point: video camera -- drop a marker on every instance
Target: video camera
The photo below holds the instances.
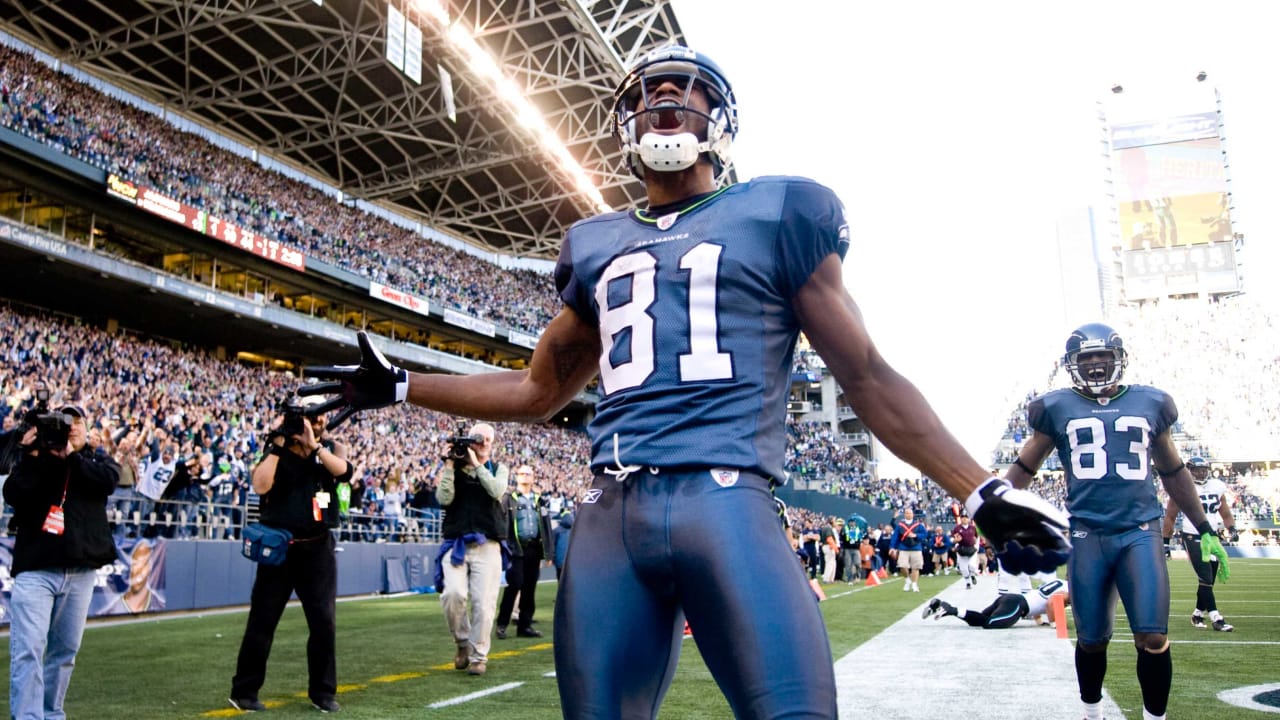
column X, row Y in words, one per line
column 53, row 429
column 458, row 445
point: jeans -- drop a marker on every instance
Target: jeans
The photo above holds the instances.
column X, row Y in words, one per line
column 47, row 612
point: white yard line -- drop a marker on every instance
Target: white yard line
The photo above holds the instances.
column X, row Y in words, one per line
column 882, row 677
column 474, row 696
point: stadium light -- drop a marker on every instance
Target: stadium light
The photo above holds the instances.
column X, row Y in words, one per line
column 522, row 111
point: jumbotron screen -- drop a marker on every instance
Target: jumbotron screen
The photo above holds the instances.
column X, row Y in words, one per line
column 1172, row 195
column 1170, row 182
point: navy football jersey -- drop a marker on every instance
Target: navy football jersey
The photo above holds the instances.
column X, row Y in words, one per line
column 695, row 319
column 1104, row 445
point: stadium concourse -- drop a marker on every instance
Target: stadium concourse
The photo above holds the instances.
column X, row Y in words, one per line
column 1043, row 664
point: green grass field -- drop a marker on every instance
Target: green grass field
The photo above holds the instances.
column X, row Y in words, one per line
column 395, row 659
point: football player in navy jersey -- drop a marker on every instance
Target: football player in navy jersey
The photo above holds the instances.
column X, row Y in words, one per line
column 1216, row 502
column 1110, row 438
column 688, row 311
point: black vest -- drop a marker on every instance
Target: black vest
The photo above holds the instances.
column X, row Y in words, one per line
column 288, row 504
column 473, row 510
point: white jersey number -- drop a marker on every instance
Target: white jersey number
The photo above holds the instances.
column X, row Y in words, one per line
column 704, row 361
column 1095, row 449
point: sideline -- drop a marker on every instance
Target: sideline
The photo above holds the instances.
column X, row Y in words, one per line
column 1033, row 671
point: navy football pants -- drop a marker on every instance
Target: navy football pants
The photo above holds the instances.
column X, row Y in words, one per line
column 656, row 549
column 1126, row 564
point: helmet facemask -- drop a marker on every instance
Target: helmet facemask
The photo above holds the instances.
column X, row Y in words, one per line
column 1094, row 370
column 673, row 152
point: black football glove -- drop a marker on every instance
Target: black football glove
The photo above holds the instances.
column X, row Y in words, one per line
column 372, row 384
column 1028, row 534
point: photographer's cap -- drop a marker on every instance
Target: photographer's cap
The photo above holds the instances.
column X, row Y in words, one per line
column 75, row 410
column 310, row 401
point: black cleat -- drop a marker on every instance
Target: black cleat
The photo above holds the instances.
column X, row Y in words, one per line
column 933, row 607
column 247, row 704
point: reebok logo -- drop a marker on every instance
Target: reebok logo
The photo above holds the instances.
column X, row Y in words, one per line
column 592, row 496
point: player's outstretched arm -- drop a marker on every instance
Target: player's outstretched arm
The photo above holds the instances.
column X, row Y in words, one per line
column 1028, row 532
column 564, row 361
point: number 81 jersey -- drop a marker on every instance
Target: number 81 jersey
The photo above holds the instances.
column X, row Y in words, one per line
column 1104, row 444
column 695, row 320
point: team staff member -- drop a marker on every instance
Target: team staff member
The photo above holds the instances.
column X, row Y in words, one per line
column 908, row 545
column 529, row 539
column 59, row 499
column 297, row 480
column 688, row 310
column 471, row 556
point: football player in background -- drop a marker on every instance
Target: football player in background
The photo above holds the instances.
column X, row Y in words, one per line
column 1110, row 437
column 688, row 311
column 1006, row 610
column 1217, row 507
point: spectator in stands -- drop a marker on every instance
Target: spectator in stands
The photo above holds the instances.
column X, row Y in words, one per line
column 297, row 479
column 471, row 558
column 529, row 539
column 58, row 490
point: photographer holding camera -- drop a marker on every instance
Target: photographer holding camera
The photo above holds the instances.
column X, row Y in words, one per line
column 297, row 479
column 58, row 489
column 471, row 557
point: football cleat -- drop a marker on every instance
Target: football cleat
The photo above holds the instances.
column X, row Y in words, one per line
column 1197, row 621
column 1221, row 625
column 934, row 606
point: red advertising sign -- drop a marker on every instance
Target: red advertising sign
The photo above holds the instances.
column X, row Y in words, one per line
column 182, row 214
column 272, row 250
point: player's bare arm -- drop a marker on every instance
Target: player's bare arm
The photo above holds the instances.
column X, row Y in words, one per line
column 1030, row 458
column 565, row 360
column 887, row 402
column 1178, row 483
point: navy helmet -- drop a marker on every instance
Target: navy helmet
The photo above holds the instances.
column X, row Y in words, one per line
column 1095, row 375
column 668, row 153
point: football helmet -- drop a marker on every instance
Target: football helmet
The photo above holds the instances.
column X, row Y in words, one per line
column 1095, row 376
column 1199, row 468
column 669, row 153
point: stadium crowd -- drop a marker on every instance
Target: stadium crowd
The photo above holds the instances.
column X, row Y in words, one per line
column 69, row 116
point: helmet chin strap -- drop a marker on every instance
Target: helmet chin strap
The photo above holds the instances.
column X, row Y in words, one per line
column 669, row 153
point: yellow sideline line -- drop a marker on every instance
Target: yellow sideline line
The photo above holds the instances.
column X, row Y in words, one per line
column 398, row 677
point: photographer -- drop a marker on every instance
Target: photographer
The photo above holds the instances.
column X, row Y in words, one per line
column 297, row 479
column 58, row 490
column 529, row 538
column 471, row 557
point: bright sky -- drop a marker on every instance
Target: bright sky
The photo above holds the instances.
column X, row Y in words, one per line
column 958, row 135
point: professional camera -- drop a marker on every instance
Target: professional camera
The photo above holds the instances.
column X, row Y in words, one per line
column 458, row 445
column 295, row 409
column 52, row 430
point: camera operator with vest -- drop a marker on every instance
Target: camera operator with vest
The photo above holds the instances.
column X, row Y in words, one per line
column 471, row 557
column 58, row 489
column 529, row 539
column 297, row 479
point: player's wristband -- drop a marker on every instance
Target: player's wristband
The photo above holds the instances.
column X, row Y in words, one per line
column 1205, row 528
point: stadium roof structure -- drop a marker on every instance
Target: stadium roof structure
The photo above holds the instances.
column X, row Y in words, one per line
column 309, row 83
